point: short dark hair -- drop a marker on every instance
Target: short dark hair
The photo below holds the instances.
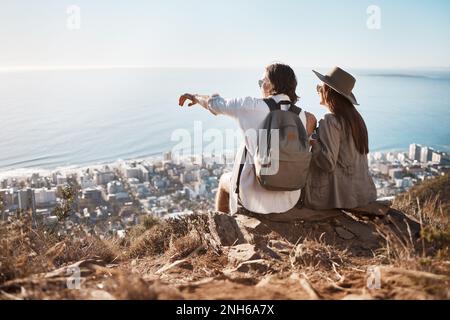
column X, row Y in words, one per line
column 283, row 80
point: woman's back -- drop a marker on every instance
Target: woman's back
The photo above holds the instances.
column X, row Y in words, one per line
column 339, row 173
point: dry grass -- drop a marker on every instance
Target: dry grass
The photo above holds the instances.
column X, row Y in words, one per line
column 411, row 268
column 399, row 249
column 90, row 247
column 25, row 251
column 182, row 247
column 428, row 203
column 316, row 254
column 152, row 242
column 177, row 237
column 22, row 250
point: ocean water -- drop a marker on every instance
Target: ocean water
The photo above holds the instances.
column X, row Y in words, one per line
column 58, row 118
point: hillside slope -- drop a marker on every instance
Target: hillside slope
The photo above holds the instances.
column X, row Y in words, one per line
column 335, row 256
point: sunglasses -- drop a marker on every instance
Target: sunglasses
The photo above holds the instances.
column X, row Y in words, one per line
column 260, row 83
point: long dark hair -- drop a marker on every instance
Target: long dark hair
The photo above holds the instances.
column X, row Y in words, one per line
column 346, row 112
column 283, row 80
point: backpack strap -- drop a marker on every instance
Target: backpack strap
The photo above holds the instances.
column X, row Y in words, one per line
column 284, row 102
column 241, row 167
column 295, row 109
column 273, row 106
column 303, row 118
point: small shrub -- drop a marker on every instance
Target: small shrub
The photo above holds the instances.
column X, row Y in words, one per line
column 90, row 247
column 184, row 246
column 317, row 254
column 149, row 221
column 152, row 242
column 438, row 238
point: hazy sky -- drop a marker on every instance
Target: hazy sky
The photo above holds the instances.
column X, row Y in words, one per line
column 231, row 33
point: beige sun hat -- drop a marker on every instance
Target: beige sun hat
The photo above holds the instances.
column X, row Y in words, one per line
column 340, row 81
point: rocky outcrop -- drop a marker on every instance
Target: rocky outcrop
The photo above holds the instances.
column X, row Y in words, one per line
column 361, row 230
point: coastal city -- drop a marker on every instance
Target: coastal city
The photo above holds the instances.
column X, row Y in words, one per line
column 111, row 199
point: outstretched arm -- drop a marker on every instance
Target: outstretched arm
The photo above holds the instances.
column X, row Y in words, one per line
column 218, row 105
column 195, row 99
column 204, row 100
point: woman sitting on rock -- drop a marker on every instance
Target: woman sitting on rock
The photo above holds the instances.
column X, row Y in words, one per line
column 339, row 174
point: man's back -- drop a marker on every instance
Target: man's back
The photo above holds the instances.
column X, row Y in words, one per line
column 250, row 113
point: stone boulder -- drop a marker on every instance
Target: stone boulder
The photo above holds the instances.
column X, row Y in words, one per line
column 360, row 230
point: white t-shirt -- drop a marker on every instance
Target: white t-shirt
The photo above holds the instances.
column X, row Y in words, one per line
column 250, row 114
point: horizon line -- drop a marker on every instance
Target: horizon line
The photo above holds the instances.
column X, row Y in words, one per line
column 30, row 68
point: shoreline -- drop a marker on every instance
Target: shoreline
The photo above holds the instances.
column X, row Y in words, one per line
column 28, row 171
column 67, row 169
